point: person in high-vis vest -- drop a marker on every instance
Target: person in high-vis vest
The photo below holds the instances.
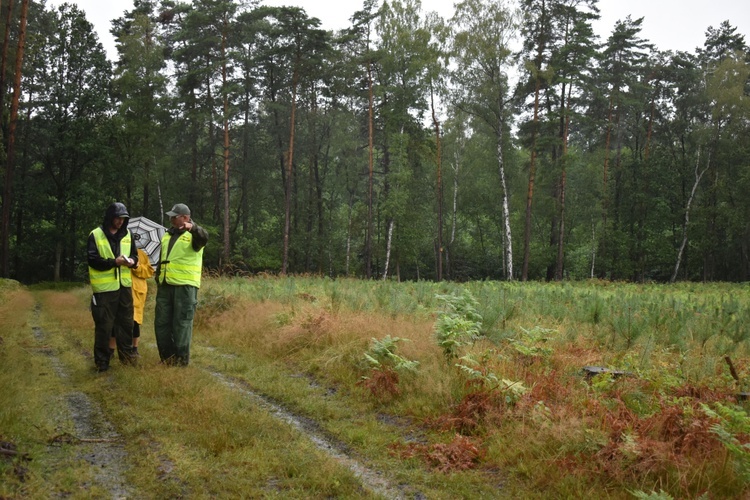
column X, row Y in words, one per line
column 178, row 278
column 111, row 255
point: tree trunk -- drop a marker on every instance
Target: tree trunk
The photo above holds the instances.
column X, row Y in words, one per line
column 506, row 209
column 318, row 183
column 10, row 167
column 439, row 189
column 370, row 138
column 530, row 191
column 288, row 186
column 309, row 246
column 243, row 213
column 593, row 248
column 227, row 246
column 216, row 198
column 698, row 176
column 6, row 45
column 560, row 263
column 58, row 261
column 454, row 214
column 23, row 195
column 349, row 233
column 605, row 173
column 391, row 223
column 650, row 129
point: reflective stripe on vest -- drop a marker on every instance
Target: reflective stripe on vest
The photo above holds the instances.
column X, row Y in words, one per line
column 111, row 279
column 182, row 265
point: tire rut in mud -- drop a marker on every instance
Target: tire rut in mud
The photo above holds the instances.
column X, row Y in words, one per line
column 95, row 438
column 372, row 480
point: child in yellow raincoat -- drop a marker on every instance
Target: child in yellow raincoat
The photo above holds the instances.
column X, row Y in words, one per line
column 139, row 276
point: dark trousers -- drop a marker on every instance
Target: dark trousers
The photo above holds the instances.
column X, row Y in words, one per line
column 113, row 316
column 173, row 322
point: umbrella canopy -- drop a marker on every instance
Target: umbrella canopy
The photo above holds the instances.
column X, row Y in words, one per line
column 147, row 235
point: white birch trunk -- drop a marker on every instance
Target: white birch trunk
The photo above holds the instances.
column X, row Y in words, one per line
column 698, row 176
column 161, row 202
column 455, row 200
column 506, row 209
column 348, row 236
column 388, row 249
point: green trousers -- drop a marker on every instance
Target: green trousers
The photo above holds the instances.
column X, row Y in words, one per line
column 173, row 322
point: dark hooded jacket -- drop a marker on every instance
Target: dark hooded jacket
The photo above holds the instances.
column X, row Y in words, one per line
column 94, row 259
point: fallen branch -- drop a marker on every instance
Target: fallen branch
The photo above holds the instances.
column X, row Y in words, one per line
column 13, row 453
column 731, row 368
column 591, row 371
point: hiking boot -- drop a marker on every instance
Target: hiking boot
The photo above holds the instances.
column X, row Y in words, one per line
column 102, row 368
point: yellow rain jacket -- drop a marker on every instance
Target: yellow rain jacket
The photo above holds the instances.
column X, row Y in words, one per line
column 139, row 276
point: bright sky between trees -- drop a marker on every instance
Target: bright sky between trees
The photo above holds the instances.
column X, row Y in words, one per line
column 668, row 24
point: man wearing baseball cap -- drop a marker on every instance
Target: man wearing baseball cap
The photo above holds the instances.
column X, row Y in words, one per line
column 178, row 276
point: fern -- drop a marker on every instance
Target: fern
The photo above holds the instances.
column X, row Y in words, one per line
column 732, row 422
column 458, row 323
column 488, row 379
column 476, row 370
column 530, row 343
column 382, row 355
column 385, row 366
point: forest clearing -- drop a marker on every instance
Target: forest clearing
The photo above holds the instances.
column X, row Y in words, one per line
column 305, row 387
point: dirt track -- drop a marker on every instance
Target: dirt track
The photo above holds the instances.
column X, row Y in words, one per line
column 98, row 443
column 96, row 438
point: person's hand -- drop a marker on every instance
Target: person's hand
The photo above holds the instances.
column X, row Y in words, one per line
column 124, row 261
column 187, row 226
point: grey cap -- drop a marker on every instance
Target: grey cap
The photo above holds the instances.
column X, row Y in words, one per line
column 179, row 209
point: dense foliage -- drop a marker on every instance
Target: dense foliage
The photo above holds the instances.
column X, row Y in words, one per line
column 399, row 147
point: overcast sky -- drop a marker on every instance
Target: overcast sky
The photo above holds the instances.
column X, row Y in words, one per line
column 668, row 24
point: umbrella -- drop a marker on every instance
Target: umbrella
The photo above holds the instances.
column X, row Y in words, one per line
column 147, row 235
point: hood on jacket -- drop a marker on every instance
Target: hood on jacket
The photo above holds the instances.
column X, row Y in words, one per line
column 116, row 209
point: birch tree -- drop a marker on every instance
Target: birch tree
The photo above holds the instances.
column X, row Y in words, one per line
column 482, row 32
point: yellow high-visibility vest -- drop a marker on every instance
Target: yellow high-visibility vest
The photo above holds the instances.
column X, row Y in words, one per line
column 181, row 265
column 111, row 279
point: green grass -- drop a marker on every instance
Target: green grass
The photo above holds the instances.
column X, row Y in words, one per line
column 301, row 343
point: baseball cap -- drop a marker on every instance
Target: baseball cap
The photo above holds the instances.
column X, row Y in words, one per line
column 179, row 209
